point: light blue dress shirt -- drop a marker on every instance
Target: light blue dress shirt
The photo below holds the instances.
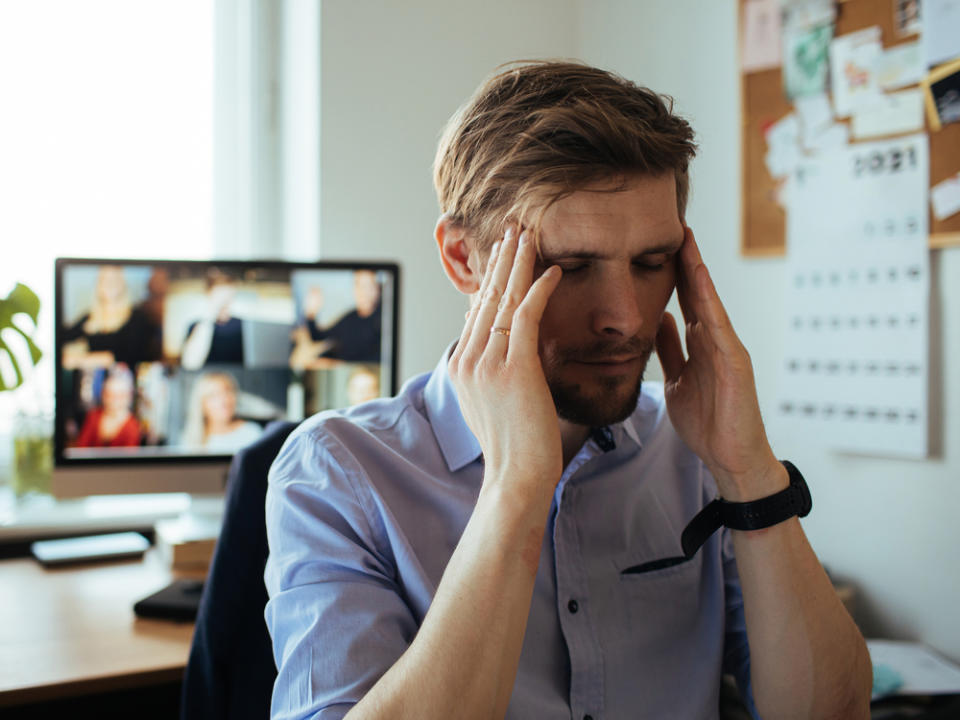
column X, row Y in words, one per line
column 365, row 507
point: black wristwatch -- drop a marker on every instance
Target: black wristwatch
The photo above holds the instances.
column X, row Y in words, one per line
column 753, row 515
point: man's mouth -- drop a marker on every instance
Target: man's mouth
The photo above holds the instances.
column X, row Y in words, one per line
column 617, row 364
column 621, row 360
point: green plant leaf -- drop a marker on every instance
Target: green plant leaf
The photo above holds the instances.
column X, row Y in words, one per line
column 35, row 352
column 4, row 348
column 20, row 300
column 23, row 300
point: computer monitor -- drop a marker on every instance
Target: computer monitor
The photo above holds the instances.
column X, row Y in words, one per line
column 165, row 368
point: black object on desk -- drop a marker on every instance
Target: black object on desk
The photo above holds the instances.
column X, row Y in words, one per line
column 177, row 601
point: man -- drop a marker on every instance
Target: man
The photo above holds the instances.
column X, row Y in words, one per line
column 355, row 337
column 503, row 539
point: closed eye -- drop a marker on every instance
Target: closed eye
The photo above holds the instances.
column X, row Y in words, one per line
column 573, row 268
column 653, row 263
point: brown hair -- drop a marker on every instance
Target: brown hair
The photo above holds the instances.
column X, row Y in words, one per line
column 536, row 132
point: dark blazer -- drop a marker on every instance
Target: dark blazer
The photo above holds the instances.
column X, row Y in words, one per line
column 230, row 672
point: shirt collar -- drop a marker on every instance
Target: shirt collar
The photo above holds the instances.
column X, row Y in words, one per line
column 630, row 431
column 458, row 443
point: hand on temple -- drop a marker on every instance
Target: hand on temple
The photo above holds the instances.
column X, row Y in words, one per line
column 711, row 396
column 497, row 372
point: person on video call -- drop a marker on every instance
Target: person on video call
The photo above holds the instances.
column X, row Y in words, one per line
column 212, row 422
column 363, row 385
column 217, row 337
column 503, row 538
column 355, row 337
column 113, row 423
column 114, row 331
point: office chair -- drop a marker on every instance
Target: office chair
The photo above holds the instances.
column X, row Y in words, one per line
column 230, row 671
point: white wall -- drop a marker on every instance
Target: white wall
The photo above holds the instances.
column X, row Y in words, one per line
column 391, row 75
column 888, row 525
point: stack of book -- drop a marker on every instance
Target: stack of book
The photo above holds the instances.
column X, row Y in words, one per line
column 187, row 543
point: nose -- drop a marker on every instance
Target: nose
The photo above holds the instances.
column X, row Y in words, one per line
column 616, row 310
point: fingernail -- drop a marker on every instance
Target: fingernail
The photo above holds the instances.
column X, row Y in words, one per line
column 511, row 231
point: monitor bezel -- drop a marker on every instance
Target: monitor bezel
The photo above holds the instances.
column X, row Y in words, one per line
column 219, row 461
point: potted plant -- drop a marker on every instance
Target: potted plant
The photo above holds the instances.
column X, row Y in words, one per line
column 32, row 444
column 20, row 300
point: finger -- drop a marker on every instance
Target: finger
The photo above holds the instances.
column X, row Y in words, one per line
column 494, row 286
column 521, row 277
column 525, row 333
column 703, row 297
column 713, row 313
column 688, row 254
column 669, row 350
column 471, row 315
column 702, row 301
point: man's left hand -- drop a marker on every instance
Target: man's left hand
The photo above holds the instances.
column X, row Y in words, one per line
column 711, row 396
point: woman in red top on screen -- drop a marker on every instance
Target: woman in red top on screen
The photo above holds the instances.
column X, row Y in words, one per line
column 113, row 423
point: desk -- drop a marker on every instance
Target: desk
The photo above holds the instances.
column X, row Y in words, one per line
column 72, row 631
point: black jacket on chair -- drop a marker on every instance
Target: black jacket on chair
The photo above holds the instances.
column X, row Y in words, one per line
column 230, row 672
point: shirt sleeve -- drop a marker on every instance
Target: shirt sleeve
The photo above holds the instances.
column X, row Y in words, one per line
column 336, row 614
column 736, row 653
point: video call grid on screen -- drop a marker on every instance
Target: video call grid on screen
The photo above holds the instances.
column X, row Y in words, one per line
column 190, row 360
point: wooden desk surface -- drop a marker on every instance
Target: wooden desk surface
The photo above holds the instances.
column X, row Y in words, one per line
column 72, row 631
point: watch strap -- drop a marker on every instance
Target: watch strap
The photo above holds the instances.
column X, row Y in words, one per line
column 754, row 515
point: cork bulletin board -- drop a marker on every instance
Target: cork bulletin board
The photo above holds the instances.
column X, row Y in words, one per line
column 763, row 232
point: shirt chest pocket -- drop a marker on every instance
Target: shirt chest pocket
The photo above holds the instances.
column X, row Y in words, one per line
column 662, row 600
column 668, row 631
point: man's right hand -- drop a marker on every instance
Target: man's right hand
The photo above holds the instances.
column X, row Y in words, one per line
column 497, row 373
column 463, row 661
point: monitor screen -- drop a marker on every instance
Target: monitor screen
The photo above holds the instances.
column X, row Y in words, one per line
column 163, row 363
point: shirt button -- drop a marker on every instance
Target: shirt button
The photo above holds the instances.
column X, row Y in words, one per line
column 573, row 606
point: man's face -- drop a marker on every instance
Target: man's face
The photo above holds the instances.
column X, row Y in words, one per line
column 616, row 250
column 366, row 292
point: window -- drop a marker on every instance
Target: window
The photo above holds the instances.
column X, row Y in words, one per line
column 106, row 139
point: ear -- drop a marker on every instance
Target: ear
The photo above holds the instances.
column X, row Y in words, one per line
column 460, row 261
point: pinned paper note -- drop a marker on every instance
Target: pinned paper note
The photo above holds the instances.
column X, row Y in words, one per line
column 945, row 197
column 906, row 17
column 761, row 36
column 853, row 70
column 815, row 114
column 807, row 31
column 832, row 137
column 896, row 113
column 900, row 66
column 941, row 31
column 783, row 146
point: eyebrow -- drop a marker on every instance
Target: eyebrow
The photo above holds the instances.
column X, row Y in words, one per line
column 665, row 248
